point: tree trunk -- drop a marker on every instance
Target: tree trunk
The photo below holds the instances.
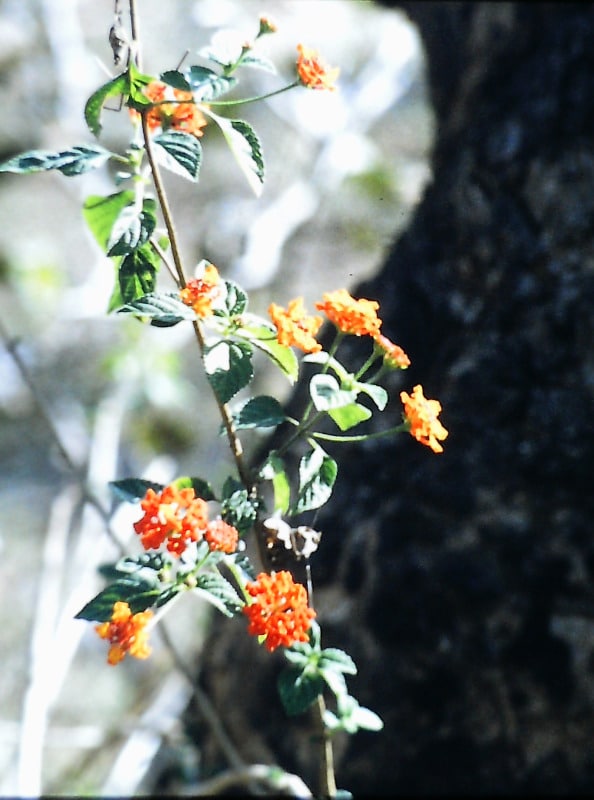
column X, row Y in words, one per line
column 461, row 583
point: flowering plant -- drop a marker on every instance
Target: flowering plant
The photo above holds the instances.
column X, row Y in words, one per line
column 194, row 536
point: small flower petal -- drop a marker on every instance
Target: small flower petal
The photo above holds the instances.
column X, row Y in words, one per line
column 312, row 71
column 294, row 327
column 126, row 633
column 353, row 316
column 421, row 415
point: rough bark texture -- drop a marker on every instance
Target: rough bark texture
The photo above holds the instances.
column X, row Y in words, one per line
column 461, row 583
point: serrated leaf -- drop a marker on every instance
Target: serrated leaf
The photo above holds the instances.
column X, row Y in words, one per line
column 94, row 105
column 298, row 689
column 326, row 393
column 101, row 213
column 246, row 148
column 349, row 416
column 206, row 85
column 133, row 227
column 201, row 487
column 273, row 470
column 180, row 153
column 228, row 368
column 137, row 274
column 263, row 335
column 137, row 82
column 317, row 474
column 76, row 161
column 238, row 508
column 219, row 592
column 333, row 658
column 236, row 299
column 260, row 412
column 131, row 490
column 163, row 309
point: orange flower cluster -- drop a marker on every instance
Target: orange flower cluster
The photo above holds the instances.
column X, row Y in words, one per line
column 421, row 415
column 126, row 633
column 200, row 293
column 178, row 517
column 176, row 115
column 312, row 72
column 394, row 355
column 279, row 610
column 294, row 327
column 358, row 317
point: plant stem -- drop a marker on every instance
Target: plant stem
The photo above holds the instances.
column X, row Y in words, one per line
column 327, row 780
column 362, row 437
column 255, row 98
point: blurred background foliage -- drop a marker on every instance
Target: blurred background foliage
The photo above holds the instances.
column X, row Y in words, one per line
column 344, row 172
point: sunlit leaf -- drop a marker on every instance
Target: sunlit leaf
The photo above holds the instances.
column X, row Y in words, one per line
column 201, row 487
column 238, row 507
column 76, row 161
column 317, row 474
column 163, row 309
column 245, row 146
column 138, row 273
column 236, row 300
column 114, row 88
column 206, row 85
column 273, row 470
column 139, row 592
column 228, row 368
column 176, row 79
column 259, row 62
column 132, row 227
column 263, row 335
column 180, row 153
column 100, row 213
column 377, row 393
column 326, row 393
column 349, row 416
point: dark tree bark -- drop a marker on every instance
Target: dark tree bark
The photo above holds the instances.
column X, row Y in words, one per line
column 461, row 583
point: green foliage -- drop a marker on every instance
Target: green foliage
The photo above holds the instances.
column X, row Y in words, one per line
column 162, row 309
column 238, row 506
column 259, row 412
column 274, row 470
column 94, row 106
column 228, row 367
column 75, row 161
column 317, row 474
column 246, row 148
column 131, row 490
column 180, row 153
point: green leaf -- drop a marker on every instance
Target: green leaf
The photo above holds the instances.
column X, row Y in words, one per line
column 349, row 416
column 326, row 393
column 317, row 473
column 260, row 412
column 219, row 592
column 367, row 720
column 138, row 592
column 101, row 213
column 377, row 393
column 133, row 227
column 175, row 78
column 163, row 309
column 180, row 153
column 246, row 148
column 138, row 81
column 118, row 86
column 206, row 84
column 138, row 273
column 131, row 490
column 237, row 507
column 76, row 161
column 263, row 335
column 236, row 299
column 298, row 689
column 333, row 658
column 228, row 368
column 273, row 470
column 201, row 487
column 334, row 679
column 258, row 62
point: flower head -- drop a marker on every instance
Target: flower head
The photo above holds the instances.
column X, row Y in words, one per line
column 174, row 515
column 294, row 327
column 266, row 26
column 279, row 610
column 312, row 71
column 200, row 293
column 126, row 633
column 221, row 536
column 394, row 355
column 176, row 114
column 421, row 415
column 358, row 317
